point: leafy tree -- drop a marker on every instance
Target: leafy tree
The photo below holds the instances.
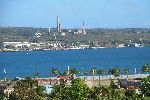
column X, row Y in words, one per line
column 130, row 94
column 105, row 93
column 119, row 95
column 97, row 93
column 78, row 90
column 112, row 88
column 27, row 89
column 112, row 93
column 57, row 94
column 146, row 86
column 13, row 96
column 113, row 85
column 2, row 97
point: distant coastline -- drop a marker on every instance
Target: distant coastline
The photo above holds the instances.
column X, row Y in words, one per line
column 77, row 48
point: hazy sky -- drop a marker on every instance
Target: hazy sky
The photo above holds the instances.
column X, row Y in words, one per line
column 95, row 13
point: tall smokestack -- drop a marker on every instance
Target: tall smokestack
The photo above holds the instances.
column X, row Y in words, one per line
column 59, row 28
column 83, row 24
column 49, row 30
column 83, row 28
column 58, row 22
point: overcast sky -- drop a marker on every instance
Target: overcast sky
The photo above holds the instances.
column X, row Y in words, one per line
column 95, row 13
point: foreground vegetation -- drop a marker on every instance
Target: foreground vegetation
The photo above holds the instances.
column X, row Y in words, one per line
column 79, row 91
column 28, row 89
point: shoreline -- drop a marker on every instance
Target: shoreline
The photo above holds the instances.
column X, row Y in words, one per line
column 68, row 49
column 102, row 77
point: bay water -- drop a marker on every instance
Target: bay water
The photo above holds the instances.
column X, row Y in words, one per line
column 26, row 63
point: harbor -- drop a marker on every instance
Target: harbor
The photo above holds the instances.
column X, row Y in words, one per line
column 28, row 63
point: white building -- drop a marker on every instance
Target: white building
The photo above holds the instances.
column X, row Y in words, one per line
column 22, row 45
column 11, row 43
column 63, row 33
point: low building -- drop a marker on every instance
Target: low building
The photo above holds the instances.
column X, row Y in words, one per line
column 48, row 88
column 134, row 45
column 63, row 33
column 23, row 45
column 8, row 90
column 83, row 46
column 44, row 81
column 17, row 44
column 7, row 87
column 121, row 46
column 64, row 78
column 11, row 44
column 130, row 83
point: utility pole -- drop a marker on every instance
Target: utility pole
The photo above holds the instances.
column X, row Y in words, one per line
column 68, row 70
column 5, row 75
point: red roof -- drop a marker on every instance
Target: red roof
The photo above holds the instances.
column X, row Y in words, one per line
column 63, row 77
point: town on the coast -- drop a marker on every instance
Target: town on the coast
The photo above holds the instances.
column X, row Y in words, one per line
column 74, row 49
column 59, row 38
column 96, row 84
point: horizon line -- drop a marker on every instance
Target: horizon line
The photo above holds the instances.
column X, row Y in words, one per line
column 78, row 28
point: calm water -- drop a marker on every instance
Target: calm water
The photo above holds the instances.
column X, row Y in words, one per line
column 27, row 63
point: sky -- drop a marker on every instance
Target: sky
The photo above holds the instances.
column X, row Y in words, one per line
column 95, row 13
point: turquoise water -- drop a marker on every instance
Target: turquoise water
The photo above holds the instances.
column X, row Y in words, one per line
column 27, row 63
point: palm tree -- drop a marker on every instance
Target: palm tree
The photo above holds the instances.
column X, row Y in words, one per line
column 145, row 68
column 101, row 72
column 36, row 75
column 54, row 72
column 126, row 71
column 65, row 73
column 110, row 72
column 116, row 72
column 73, row 71
column 85, row 73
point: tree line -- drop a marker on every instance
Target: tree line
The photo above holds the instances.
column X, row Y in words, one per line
column 116, row 71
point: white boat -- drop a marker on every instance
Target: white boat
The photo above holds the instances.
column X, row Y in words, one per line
column 5, row 71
